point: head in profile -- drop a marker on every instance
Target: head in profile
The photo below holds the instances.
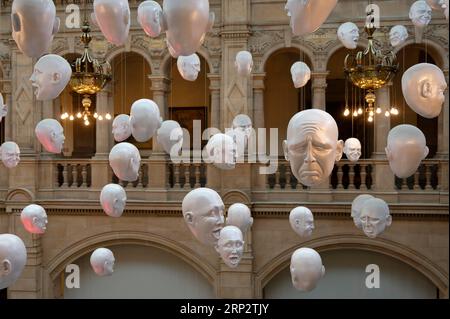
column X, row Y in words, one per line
column 203, row 212
column 170, row 137
column 398, row 35
column 406, row 148
column 302, row 221
column 301, row 74
column 102, row 262
column 10, row 154
column 125, row 161
column 423, row 87
column 230, row 246
column 244, row 63
column 121, row 128
column 312, row 146
column 113, row 199
column 357, row 204
column 375, row 217
column 149, row 17
column 34, row 219
column 306, row 16
column 50, row 76
column 34, row 23
column 13, row 257
column 348, row 34
column 50, row 134
column 221, row 151
column 420, row 13
column 352, row 149
column 189, row 66
column 3, row 108
column 113, row 19
column 145, row 119
column 239, row 215
column 306, row 269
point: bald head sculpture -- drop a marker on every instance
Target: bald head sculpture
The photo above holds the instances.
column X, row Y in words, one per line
column 348, row 34
column 357, row 204
column 125, row 161
column 352, row 149
column 306, row 269
column 230, row 246
column 34, row 219
column 420, row 13
column 406, row 148
column 374, row 217
column 113, row 19
column 423, row 87
column 13, row 257
column 50, row 134
column 302, row 221
column 102, row 262
column 203, row 211
column 312, row 146
column 149, row 17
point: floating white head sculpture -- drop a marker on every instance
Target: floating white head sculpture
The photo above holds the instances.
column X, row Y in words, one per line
column 145, row 119
column 149, row 17
column 357, row 204
column 34, row 23
column 308, row 15
column 50, row 76
column 420, row 13
column 374, row 217
column 348, row 34
column 13, row 257
column 244, row 63
column 189, row 66
column 406, row 148
column 113, row 200
column 423, row 87
column 113, row 19
column 170, row 134
column 203, row 213
column 50, row 134
column 434, row 4
column 239, row 215
column 125, row 161
column 352, row 148
column 243, row 123
column 301, row 74
column 121, row 128
column 230, row 246
column 10, row 154
column 3, row 108
column 186, row 23
column 398, row 35
column 302, row 221
column 221, row 151
column 306, row 269
column 444, row 6
column 34, row 219
column 102, row 261
column 312, row 146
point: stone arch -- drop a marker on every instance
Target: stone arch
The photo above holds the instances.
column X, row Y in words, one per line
column 416, row 260
column 236, row 196
column 165, row 61
column 111, row 54
column 20, row 195
column 309, row 53
column 78, row 249
column 437, row 51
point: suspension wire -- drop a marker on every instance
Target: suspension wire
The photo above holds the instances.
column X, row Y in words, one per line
column 403, row 98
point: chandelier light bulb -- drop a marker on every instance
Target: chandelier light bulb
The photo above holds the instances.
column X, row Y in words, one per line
column 371, row 113
column 71, row 118
column 108, row 116
column 346, row 112
column 79, row 115
column 100, row 118
column 355, row 114
column 63, row 117
column 387, row 114
column 395, row 111
column 360, row 111
column 86, row 123
column 95, row 115
column 370, row 119
column 378, row 111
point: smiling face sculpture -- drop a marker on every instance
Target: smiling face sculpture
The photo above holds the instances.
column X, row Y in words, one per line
column 348, row 34
column 34, row 23
column 312, row 146
column 306, row 16
column 186, row 23
column 10, row 154
column 398, row 35
column 203, row 212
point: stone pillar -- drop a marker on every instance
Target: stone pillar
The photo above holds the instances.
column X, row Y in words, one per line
column 319, row 85
column 6, row 92
column 103, row 128
column 258, row 100
column 214, row 89
column 160, row 88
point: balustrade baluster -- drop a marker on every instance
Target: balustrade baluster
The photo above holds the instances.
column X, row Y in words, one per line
column 428, row 168
column 339, row 175
column 416, row 180
column 197, row 175
column 74, row 175
column 65, row 176
column 351, row 176
column 288, row 178
column 84, row 176
column 363, row 176
column 176, row 176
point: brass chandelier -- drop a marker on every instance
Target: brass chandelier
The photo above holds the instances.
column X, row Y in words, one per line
column 369, row 70
column 89, row 77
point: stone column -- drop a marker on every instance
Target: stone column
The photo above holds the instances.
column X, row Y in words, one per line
column 258, row 100
column 442, row 151
column 8, row 101
column 103, row 128
column 319, row 85
column 214, row 89
column 160, row 88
